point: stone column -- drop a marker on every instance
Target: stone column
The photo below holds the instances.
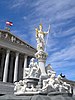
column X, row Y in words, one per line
column 2, row 65
column 20, row 69
column 11, row 69
column 16, row 67
column 25, row 65
column 6, row 66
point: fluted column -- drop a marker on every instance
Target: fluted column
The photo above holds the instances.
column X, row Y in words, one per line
column 25, row 65
column 16, row 67
column 5, row 75
column 11, row 69
column 2, row 63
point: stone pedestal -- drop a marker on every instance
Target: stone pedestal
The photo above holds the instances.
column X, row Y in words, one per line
column 37, row 97
column 42, row 66
column 41, row 56
column 32, row 81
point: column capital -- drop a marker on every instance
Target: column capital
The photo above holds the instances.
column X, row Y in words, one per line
column 8, row 51
column 17, row 53
column 25, row 56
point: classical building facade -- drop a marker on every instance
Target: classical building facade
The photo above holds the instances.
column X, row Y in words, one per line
column 15, row 55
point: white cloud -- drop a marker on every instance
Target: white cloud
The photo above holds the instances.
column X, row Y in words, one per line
column 24, row 17
column 55, row 12
column 72, row 40
column 64, row 54
column 49, row 6
column 17, row 3
column 51, row 44
column 63, row 33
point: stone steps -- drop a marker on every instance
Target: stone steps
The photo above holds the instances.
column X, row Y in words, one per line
column 6, row 88
column 37, row 97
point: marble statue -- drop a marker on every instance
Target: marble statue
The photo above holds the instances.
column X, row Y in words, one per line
column 38, row 76
column 26, row 70
column 20, row 86
column 32, row 63
column 41, row 55
column 63, row 86
column 40, row 35
column 50, row 81
column 33, row 70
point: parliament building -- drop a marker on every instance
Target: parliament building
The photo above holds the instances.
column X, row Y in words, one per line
column 15, row 55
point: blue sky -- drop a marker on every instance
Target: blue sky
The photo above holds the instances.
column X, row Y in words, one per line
column 26, row 15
